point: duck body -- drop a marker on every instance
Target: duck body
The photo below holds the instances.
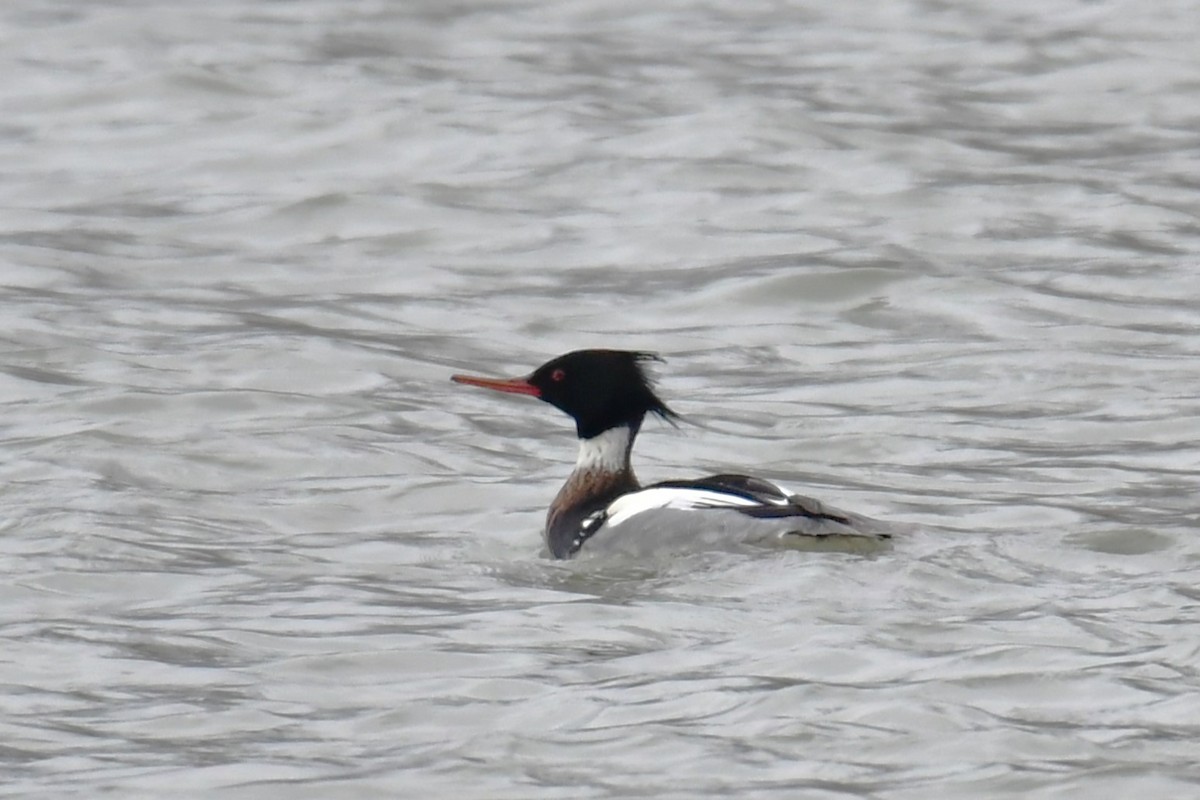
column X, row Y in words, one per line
column 603, row 508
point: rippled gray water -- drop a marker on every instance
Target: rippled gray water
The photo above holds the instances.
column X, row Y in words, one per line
column 932, row 262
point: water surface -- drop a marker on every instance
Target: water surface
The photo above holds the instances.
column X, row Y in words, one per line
column 934, row 263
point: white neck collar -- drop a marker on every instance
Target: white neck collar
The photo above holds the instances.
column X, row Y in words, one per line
column 606, row 452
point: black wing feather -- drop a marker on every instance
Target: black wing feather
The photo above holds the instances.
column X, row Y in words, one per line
column 772, row 503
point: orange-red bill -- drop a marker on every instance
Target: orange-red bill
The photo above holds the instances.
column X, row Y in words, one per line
column 510, row 385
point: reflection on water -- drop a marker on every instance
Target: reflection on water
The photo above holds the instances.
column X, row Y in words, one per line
column 929, row 263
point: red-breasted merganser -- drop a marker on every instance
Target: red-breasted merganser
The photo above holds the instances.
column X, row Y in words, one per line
column 602, row 505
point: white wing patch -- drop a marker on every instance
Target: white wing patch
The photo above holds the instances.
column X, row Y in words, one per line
column 627, row 506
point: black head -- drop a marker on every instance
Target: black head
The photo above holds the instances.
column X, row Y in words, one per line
column 601, row 389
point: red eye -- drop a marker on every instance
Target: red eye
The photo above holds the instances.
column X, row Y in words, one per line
column 557, row 375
